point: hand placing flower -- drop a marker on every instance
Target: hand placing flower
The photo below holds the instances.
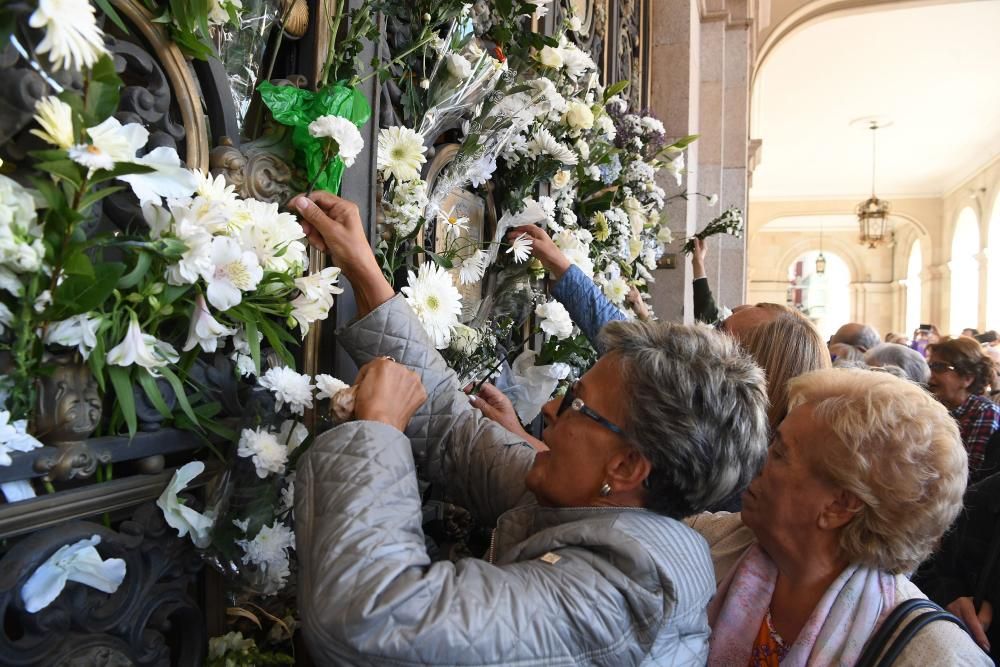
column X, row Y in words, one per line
column 521, row 248
column 342, row 140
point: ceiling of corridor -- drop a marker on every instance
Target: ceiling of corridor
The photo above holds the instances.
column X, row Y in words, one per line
column 934, row 70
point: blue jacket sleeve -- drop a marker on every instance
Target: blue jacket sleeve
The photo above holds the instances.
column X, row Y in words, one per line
column 587, row 306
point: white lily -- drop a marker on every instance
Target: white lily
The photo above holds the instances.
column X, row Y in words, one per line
column 170, row 179
column 205, row 330
column 79, row 562
column 181, row 517
column 141, row 349
column 79, row 331
column 234, row 271
column 14, row 437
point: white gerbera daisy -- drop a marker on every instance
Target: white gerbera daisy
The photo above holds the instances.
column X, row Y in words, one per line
column 341, row 130
column 72, row 38
column 521, row 248
column 473, row 267
column 435, row 300
column 400, row 153
column 616, row 290
column 452, row 223
column 56, row 120
column 543, row 143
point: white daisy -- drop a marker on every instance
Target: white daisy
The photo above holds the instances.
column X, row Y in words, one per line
column 435, row 300
column 72, row 38
column 289, row 387
column 543, row 143
column 521, row 248
column 344, row 132
column 451, row 223
column 91, row 157
column 400, row 153
column 472, row 267
column 56, row 120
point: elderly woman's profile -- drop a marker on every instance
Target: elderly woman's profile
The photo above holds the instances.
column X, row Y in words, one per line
column 589, row 563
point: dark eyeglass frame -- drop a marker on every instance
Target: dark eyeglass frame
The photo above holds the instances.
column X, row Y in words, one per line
column 572, row 402
column 940, row 366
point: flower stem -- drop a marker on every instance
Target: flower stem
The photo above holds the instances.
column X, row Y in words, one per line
column 327, row 158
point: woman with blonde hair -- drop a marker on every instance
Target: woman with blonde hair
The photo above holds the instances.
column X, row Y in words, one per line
column 862, row 479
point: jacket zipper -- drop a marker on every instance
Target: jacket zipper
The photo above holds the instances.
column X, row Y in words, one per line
column 493, row 544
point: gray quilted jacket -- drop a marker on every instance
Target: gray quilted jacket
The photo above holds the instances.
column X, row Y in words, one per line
column 562, row 586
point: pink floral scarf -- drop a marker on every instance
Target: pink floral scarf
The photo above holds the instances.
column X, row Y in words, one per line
column 836, row 632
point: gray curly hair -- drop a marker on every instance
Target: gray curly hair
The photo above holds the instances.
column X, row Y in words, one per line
column 893, row 354
column 696, row 409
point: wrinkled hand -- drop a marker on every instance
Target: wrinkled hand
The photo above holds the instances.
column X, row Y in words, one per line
column 495, row 405
column 543, row 249
column 979, row 623
column 388, row 392
column 698, row 258
column 634, row 299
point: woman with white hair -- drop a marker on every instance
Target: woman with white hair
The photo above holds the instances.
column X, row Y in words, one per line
column 912, row 363
column 589, row 563
column 863, row 477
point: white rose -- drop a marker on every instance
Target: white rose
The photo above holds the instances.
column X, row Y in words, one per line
column 459, row 67
column 561, row 179
column 579, row 116
column 550, row 57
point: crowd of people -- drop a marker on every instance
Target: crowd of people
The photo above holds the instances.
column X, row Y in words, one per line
column 743, row 494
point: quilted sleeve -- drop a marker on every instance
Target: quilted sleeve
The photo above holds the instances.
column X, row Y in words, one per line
column 369, row 595
column 481, row 464
column 587, row 306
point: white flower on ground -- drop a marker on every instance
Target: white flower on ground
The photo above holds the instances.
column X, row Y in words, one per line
column 616, row 290
column 458, row 66
column 521, row 248
column 178, row 515
column 269, row 552
column 72, row 38
column 56, row 120
column 79, row 562
column 289, row 387
column 79, row 331
column 543, row 143
column 14, row 437
column 344, row 132
column 229, row 642
column 550, row 56
column 472, row 267
column 234, row 271
column 451, row 223
column 141, row 349
column 329, row 386
column 205, row 330
column 555, row 319
column 400, row 153
column 435, row 300
column 579, row 116
column 465, row 340
column 263, row 448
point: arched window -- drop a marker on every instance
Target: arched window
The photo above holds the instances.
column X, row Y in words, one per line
column 993, row 257
column 913, row 288
column 824, row 298
column 964, row 267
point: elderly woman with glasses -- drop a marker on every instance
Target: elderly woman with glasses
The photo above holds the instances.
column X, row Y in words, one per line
column 960, row 373
column 862, row 479
column 588, row 563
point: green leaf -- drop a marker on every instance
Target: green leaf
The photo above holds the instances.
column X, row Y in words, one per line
column 142, row 263
column 173, row 292
column 65, row 169
column 684, row 142
column 102, row 92
column 253, row 339
column 120, row 169
column 76, row 295
column 274, row 337
column 108, row 9
column 149, row 386
column 126, row 400
column 443, row 262
column 616, row 88
column 97, row 195
column 178, row 387
column 78, row 264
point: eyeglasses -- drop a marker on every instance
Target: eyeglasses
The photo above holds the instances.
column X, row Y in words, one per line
column 571, row 402
column 940, row 366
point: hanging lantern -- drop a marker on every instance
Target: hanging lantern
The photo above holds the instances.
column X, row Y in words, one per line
column 820, row 263
column 873, row 213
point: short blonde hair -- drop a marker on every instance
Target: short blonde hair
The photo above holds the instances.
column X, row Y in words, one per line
column 785, row 347
column 898, row 450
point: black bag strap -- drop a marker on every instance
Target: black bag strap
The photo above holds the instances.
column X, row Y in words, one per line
column 879, row 642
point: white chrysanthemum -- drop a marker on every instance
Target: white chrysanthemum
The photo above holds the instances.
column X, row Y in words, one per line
column 543, row 143
column 72, row 38
column 616, row 290
column 274, row 237
column 555, row 319
column 400, row 153
column 472, row 267
column 329, row 386
column 214, row 189
column 435, row 300
column 405, row 208
column 269, row 552
column 234, row 271
column 289, row 387
column 520, row 248
column 344, row 132
column 79, row 331
column 262, row 447
column 56, row 120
